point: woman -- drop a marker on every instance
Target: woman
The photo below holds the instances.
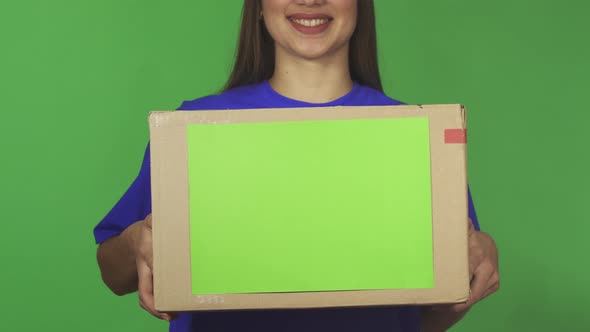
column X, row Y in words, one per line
column 292, row 53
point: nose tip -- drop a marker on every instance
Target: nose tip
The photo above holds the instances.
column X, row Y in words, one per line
column 311, row 2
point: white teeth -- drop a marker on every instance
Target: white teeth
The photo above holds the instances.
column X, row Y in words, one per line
column 311, row 23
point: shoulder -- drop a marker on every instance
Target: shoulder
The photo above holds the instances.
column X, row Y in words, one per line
column 241, row 97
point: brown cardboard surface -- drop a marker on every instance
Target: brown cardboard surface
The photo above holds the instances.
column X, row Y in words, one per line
column 170, row 212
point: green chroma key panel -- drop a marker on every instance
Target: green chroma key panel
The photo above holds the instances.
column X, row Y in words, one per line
column 310, row 206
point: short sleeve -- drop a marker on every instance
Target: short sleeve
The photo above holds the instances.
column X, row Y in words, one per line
column 471, row 210
column 135, row 205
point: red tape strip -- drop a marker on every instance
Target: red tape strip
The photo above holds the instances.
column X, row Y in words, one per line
column 455, row 136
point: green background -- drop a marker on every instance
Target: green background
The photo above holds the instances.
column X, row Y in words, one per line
column 77, row 79
column 318, row 203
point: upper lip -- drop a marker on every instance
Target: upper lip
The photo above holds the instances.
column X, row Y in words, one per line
column 306, row 16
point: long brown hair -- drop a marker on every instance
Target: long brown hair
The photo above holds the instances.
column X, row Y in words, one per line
column 255, row 58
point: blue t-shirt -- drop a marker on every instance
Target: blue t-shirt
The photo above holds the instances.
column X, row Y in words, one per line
column 135, row 205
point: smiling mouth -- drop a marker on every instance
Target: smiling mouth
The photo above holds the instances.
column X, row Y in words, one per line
column 310, row 23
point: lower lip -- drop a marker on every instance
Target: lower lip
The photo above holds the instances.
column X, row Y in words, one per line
column 311, row 30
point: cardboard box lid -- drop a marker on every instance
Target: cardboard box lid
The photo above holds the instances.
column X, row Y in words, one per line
column 173, row 280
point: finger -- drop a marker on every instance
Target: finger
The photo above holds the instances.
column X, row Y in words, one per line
column 460, row 307
column 480, row 282
column 148, row 221
column 493, row 285
column 147, row 252
column 172, row 315
column 166, row 316
column 157, row 314
column 146, row 290
column 476, row 254
column 146, row 307
column 146, row 249
column 475, row 259
column 479, row 285
column 149, row 260
column 489, row 292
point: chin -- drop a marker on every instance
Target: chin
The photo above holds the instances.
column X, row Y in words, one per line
column 312, row 53
column 312, row 56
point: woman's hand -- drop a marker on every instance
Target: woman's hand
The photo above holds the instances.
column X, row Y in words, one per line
column 485, row 280
column 140, row 237
column 483, row 268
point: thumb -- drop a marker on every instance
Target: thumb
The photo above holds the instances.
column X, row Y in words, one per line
column 148, row 221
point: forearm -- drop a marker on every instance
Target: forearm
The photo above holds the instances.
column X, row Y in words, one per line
column 117, row 262
column 439, row 320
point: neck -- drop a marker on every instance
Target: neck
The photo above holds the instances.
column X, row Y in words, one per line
column 313, row 81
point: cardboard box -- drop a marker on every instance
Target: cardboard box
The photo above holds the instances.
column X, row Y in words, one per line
column 309, row 208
